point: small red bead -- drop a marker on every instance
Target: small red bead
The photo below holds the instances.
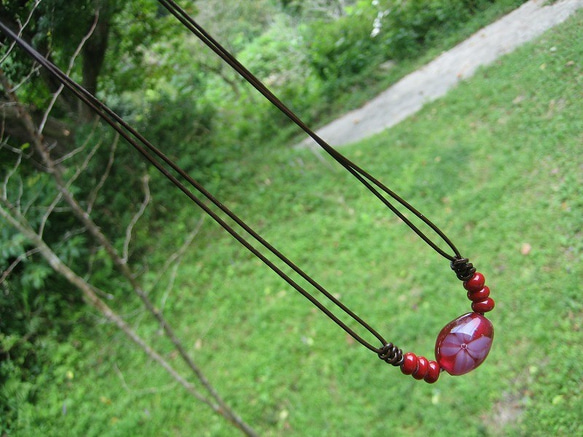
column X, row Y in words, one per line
column 422, row 368
column 483, row 306
column 478, row 296
column 409, row 364
column 476, row 283
column 432, row 372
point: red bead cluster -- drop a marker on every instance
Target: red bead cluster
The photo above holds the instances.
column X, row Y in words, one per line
column 463, row 344
column 420, row 367
column 479, row 294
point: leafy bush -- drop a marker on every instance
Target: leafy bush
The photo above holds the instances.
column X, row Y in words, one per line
column 407, row 27
column 341, row 48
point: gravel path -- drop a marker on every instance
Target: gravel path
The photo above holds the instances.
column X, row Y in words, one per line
column 443, row 73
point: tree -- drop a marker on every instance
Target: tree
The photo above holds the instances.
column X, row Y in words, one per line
column 36, row 186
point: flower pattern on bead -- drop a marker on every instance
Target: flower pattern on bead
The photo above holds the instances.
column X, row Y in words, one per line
column 467, row 353
column 464, row 344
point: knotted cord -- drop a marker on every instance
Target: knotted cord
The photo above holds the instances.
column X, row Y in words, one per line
column 387, row 352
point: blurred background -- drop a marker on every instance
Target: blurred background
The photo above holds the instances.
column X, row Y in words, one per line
column 497, row 164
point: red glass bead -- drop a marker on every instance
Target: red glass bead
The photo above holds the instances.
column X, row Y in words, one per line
column 422, row 368
column 409, row 364
column 483, row 306
column 476, row 283
column 478, row 296
column 463, row 344
column 432, row 372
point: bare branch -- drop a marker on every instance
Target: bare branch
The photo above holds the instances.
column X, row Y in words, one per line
column 10, row 174
column 31, row 200
column 84, row 164
column 136, row 217
column 72, row 153
column 51, row 208
column 121, row 377
column 20, row 223
column 17, row 261
column 34, row 69
column 59, row 90
column 20, row 192
column 169, row 287
column 94, row 230
column 175, row 260
column 93, row 195
column 48, row 212
column 2, row 127
column 15, row 126
column 22, row 27
column 144, row 391
column 79, row 149
column 78, row 172
column 219, row 404
column 180, row 252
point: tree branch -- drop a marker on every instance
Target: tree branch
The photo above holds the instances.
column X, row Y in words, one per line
column 54, row 130
column 20, row 223
column 59, row 90
column 21, row 28
column 17, row 261
column 136, row 217
column 9, row 174
column 93, row 194
column 174, row 260
column 82, row 215
column 33, row 70
column 73, row 178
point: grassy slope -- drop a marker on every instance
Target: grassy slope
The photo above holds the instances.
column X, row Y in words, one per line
column 497, row 164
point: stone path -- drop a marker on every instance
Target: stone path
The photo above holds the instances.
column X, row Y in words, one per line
column 443, row 73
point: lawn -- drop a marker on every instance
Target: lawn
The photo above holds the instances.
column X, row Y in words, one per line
column 497, row 164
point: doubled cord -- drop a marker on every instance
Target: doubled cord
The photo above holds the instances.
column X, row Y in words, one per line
column 153, row 155
column 363, row 177
column 387, row 351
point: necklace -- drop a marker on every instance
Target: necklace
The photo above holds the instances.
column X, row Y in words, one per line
column 464, row 343
column 461, row 346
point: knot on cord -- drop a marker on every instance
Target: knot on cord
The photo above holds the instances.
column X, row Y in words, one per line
column 463, row 268
column 391, row 354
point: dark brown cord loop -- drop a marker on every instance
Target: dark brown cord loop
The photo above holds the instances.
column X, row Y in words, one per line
column 463, row 268
column 370, row 182
column 158, row 159
column 388, row 353
column 391, row 354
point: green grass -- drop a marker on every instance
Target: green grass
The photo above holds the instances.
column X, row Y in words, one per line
column 497, row 163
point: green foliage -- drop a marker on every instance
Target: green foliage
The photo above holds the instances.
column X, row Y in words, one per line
column 407, row 27
column 317, row 56
column 492, row 163
column 38, row 308
column 135, row 28
column 342, row 48
column 37, row 311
